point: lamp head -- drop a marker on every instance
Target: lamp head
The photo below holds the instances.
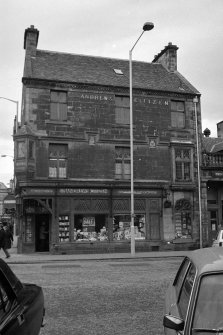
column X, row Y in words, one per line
column 148, row 26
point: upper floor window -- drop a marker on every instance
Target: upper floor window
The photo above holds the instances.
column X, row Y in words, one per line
column 31, row 149
column 21, row 149
column 182, row 164
column 58, row 106
column 177, row 114
column 122, row 163
column 58, row 160
column 122, row 113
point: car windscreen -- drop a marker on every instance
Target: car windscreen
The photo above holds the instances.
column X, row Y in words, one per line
column 209, row 303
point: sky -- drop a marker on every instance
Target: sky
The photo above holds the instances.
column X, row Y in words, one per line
column 109, row 28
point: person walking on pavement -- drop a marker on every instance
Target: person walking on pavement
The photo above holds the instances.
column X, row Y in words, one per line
column 2, row 236
column 8, row 239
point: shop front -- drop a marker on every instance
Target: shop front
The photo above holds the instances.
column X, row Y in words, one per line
column 98, row 220
column 79, row 220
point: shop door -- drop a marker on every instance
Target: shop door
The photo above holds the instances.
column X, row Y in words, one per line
column 42, row 232
column 154, row 219
column 154, row 226
column 213, row 225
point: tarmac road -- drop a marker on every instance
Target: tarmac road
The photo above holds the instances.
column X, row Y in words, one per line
column 99, row 296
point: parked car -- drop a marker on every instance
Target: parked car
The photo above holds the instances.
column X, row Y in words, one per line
column 194, row 302
column 21, row 305
column 219, row 240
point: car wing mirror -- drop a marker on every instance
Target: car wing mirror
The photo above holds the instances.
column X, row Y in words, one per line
column 173, row 322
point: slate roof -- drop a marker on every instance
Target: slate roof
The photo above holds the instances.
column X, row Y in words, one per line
column 212, row 144
column 74, row 68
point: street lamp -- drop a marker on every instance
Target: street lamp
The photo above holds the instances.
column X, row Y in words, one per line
column 195, row 101
column 17, row 109
column 147, row 26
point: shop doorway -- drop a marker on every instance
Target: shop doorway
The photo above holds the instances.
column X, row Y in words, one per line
column 42, row 233
column 154, row 226
column 213, row 215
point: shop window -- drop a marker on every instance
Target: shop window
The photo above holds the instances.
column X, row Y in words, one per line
column 183, row 221
column 57, row 161
column 64, row 228
column 182, row 164
column 28, row 230
column 122, row 163
column 177, row 114
column 122, row 112
column 58, row 106
column 90, row 228
column 122, row 227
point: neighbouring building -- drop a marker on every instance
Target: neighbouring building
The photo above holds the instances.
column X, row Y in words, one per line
column 72, row 154
column 212, row 179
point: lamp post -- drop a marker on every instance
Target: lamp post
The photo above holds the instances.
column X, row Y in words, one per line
column 147, row 26
column 17, row 109
column 195, row 101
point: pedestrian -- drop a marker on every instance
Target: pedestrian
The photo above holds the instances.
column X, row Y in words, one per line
column 2, row 236
column 8, row 239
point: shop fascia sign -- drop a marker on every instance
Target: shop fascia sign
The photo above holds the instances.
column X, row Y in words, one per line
column 82, row 191
column 217, row 174
column 139, row 192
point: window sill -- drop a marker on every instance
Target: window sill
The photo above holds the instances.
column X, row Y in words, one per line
column 127, row 126
column 58, row 122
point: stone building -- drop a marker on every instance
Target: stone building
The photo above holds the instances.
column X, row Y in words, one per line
column 212, row 180
column 72, row 153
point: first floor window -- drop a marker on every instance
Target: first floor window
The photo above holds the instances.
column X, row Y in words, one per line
column 182, row 164
column 122, row 163
column 57, row 161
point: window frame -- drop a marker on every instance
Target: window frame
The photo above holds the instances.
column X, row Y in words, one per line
column 178, row 115
column 122, row 163
column 58, row 106
column 184, row 290
column 185, row 165
column 58, row 171
column 122, row 110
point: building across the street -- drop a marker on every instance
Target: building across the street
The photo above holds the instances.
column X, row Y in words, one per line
column 72, row 154
column 212, row 180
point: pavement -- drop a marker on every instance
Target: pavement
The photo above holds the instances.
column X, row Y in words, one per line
column 46, row 257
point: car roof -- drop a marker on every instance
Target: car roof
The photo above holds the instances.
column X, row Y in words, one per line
column 207, row 259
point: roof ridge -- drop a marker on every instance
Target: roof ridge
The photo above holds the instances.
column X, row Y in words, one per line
column 93, row 56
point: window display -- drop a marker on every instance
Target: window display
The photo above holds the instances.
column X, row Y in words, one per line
column 90, row 228
column 122, row 227
column 28, row 230
column 64, row 228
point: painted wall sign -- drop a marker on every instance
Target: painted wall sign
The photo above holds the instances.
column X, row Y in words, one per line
column 93, row 96
column 151, row 101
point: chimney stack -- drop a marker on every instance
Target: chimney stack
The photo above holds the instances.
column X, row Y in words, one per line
column 168, row 57
column 31, row 40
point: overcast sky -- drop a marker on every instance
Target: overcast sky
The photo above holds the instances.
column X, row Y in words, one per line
column 110, row 28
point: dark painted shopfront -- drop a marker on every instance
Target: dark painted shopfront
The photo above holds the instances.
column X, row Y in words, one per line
column 78, row 220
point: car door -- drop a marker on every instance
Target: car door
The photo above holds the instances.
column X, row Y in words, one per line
column 11, row 313
column 178, row 294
